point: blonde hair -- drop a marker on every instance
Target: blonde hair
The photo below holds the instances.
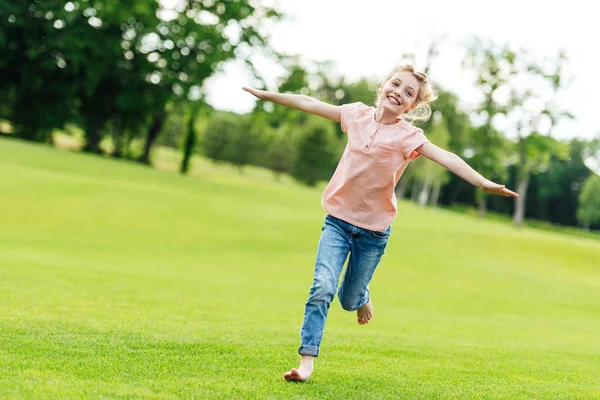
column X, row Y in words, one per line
column 421, row 110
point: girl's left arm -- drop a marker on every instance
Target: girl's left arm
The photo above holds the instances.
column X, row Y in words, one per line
column 458, row 166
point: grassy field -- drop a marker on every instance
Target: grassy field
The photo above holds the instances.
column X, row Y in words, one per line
column 120, row 281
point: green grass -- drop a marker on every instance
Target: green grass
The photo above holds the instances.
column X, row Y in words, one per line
column 120, row 281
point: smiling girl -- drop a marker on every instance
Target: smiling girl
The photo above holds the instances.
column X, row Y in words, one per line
column 359, row 200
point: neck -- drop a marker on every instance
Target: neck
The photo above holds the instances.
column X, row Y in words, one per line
column 385, row 118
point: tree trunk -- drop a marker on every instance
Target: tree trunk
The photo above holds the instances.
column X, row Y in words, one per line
column 189, row 145
column 482, row 206
column 424, row 194
column 519, row 213
column 435, row 194
column 92, row 136
column 118, row 138
column 153, row 132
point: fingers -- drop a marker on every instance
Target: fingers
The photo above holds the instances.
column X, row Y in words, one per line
column 509, row 193
column 254, row 92
column 501, row 190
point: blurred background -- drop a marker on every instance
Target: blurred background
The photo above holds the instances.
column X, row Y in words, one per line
column 134, row 80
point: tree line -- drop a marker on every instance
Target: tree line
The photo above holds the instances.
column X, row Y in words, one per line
column 129, row 76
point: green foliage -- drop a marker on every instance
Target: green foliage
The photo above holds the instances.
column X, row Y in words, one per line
column 457, row 121
column 493, row 66
column 540, row 150
column 97, row 62
column 426, row 170
column 244, row 145
column 489, row 149
column 174, row 129
column 295, row 82
column 363, row 90
column 37, row 91
column 428, row 174
column 220, row 133
column 588, row 212
column 315, row 153
column 281, row 151
column 229, row 137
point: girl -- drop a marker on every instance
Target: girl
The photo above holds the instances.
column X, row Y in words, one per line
column 359, row 200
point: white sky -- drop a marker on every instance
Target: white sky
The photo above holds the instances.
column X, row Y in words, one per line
column 367, row 38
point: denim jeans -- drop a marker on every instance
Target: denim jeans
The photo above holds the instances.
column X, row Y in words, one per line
column 338, row 239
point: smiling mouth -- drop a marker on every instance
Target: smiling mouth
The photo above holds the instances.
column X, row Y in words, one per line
column 393, row 100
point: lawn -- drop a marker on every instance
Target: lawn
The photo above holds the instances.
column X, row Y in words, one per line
column 122, row 281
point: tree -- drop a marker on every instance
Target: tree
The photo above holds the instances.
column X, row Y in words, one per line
column 117, row 64
column 36, row 83
column 243, row 146
column 554, row 192
column 525, row 113
column 494, row 67
column 434, row 175
column 315, row 155
column 588, row 212
column 450, row 128
column 448, row 117
column 281, row 151
column 190, row 141
column 192, row 41
column 220, row 132
column 535, row 155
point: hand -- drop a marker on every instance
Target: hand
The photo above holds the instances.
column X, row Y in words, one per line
column 256, row 92
column 494, row 188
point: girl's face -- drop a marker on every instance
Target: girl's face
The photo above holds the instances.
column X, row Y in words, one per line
column 399, row 93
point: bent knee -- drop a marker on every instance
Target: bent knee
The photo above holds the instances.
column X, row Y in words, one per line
column 349, row 304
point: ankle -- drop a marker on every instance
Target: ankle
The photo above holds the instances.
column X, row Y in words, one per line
column 307, row 361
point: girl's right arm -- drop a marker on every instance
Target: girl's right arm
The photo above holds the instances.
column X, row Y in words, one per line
column 300, row 102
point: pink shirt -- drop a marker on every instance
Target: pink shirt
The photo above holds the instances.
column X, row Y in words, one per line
column 361, row 190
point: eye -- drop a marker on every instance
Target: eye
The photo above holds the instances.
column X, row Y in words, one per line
column 409, row 93
column 395, row 84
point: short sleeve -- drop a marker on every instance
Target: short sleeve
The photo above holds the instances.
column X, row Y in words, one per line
column 348, row 113
column 412, row 142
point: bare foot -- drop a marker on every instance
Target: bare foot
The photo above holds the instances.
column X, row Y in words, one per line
column 365, row 313
column 303, row 372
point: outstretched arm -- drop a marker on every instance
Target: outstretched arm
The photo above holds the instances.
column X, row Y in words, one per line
column 300, row 102
column 455, row 164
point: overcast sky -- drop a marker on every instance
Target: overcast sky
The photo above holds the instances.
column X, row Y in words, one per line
column 367, row 38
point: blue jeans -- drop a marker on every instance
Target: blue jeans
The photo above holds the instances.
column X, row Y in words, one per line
column 338, row 239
